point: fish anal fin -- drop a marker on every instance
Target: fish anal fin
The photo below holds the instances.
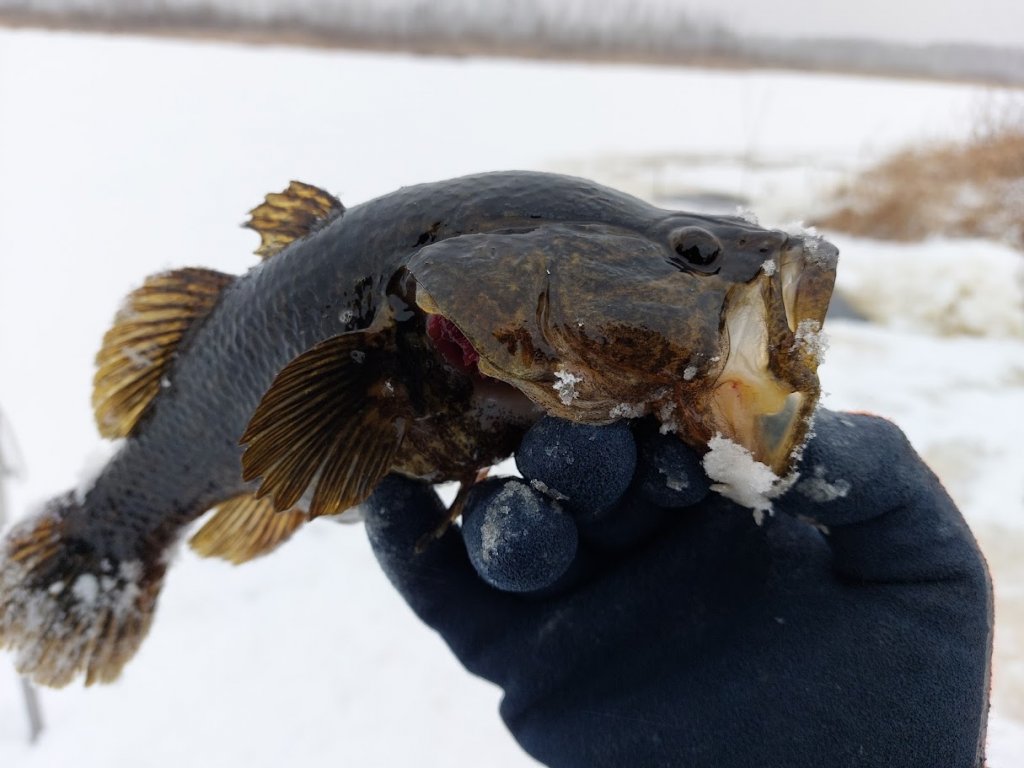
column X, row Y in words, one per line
column 137, row 350
column 284, row 217
column 244, row 528
column 331, row 422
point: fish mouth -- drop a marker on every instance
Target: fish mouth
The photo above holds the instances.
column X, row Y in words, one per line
column 768, row 387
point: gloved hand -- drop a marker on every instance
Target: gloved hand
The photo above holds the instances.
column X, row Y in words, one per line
column 657, row 625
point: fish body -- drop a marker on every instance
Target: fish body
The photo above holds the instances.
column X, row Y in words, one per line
column 421, row 332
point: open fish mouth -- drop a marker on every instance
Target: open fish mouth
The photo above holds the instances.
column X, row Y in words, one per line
column 767, row 390
column 593, row 325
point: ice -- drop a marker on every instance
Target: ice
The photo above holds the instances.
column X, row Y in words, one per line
column 674, row 481
column 666, row 416
column 566, row 386
column 627, row 410
column 548, row 491
column 769, row 266
column 811, row 339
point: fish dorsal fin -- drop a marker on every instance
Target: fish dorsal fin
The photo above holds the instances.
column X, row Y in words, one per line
column 244, row 528
column 332, row 421
column 286, row 216
column 138, row 349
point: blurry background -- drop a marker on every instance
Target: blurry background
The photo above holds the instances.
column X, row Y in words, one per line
column 126, row 154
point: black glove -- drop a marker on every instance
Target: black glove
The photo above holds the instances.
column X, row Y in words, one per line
column 642, row 622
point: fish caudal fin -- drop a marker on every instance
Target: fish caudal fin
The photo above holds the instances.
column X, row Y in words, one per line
column 244, row 528
column 332, row 421
column 65, row 608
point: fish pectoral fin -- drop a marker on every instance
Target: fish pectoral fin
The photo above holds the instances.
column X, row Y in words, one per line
column 244, row 528
column 284, row 217
column 332, row 421
column 136, row 352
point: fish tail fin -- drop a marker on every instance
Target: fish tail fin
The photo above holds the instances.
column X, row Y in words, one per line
column 68, row 608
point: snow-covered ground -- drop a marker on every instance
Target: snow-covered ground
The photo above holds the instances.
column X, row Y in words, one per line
column 119, row 158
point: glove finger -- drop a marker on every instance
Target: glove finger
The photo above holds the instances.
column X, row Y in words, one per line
column 433, row 575
column 522, row 541
column 633, row 522
column 585, row 468
column 887, row 516
column 517, row 539
column 669, row 473
column 616, row 485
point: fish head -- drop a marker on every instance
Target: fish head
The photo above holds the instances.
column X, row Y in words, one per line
column 710, row 324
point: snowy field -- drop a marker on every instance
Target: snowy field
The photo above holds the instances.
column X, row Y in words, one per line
column 119, row 158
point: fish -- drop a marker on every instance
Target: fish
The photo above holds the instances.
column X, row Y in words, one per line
column 421, row 333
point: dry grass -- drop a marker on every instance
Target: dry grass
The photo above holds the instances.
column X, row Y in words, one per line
column 970, row 189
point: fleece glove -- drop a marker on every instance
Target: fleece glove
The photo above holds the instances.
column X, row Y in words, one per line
column 632, row 618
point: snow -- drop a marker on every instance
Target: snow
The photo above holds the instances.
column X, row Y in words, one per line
column 86, row 589
column 960, row 400
column 308, row 656
column 566, row 386
column 810, row 337
column 100, row 618
column 817, row 487
column 676, row 481
column 544, row 488
column 496, row 532
column 626, row 410
column 739, row 476
column 91, row 466
column 668, row 408
column 949, row 287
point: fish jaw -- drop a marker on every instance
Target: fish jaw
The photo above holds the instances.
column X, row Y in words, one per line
column 599, row 325
column 766, row 392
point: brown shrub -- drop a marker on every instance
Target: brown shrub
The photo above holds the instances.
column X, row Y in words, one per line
column 969, row 189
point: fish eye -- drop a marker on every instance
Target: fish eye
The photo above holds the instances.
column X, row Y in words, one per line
column 697, row 246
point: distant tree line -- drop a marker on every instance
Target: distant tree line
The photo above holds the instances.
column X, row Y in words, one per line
column 643, row 31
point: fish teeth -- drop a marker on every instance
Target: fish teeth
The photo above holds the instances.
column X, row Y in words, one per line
column 792, row 265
